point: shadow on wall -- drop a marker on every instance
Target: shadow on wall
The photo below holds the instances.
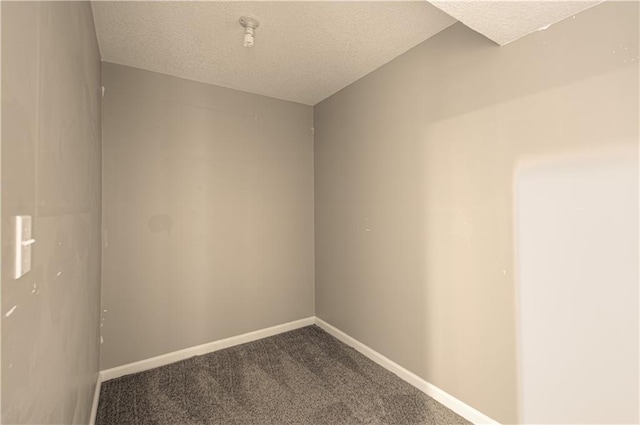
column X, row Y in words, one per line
column 577, row 245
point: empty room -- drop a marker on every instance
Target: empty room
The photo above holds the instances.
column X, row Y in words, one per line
column 320, row 212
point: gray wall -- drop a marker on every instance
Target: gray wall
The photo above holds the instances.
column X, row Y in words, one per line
column 208, row 214
column 417, row 170
column 51, row 171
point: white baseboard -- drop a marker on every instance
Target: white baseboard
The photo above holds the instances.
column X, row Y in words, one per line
column 199, row 350
column 444, row 398
column 431, row 390
column 96, row 398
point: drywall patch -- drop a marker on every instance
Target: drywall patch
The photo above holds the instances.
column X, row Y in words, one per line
column 322, row 53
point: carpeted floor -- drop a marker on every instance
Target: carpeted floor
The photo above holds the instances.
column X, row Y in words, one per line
column 300, row 377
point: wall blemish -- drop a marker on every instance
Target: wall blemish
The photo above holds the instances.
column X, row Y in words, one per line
column 10, row 312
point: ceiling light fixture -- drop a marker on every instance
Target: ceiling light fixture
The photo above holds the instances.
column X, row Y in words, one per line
column 250, row 24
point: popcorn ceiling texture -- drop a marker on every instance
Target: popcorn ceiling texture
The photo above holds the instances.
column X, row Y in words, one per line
column 504, row 21
column 304, row 51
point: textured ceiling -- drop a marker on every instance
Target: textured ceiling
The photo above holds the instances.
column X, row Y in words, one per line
column 504, row 21
column 304, row 51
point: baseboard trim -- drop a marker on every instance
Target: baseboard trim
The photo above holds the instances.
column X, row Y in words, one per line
column 199, row 350
column 446, row 399
column 96, row 399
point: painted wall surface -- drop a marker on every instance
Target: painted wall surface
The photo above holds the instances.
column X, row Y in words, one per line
column 418, row 169
column 577, row 233
column 51, row 171
column 208, row 214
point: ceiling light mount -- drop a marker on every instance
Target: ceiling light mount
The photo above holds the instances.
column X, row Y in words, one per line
column 250, row 24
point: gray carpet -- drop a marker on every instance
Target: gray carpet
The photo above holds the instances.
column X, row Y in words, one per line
column 300, row 377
